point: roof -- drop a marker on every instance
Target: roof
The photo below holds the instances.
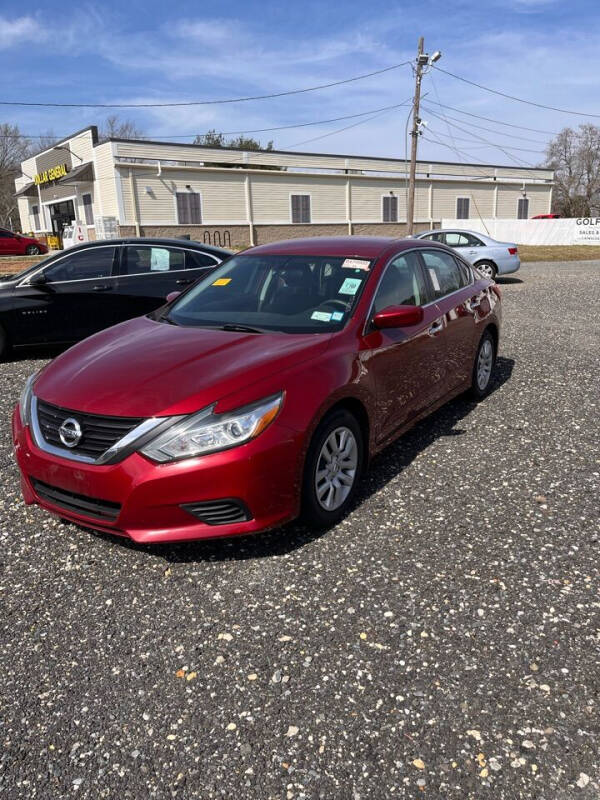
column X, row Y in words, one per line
column 349, row 246
column 168, row 242
column 83, row 173
column 254, row 153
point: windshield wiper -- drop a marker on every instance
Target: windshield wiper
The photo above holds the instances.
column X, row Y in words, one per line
column 167, row 318
column 233, row 326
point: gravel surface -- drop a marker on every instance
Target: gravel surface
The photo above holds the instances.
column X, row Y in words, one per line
column 443, row 639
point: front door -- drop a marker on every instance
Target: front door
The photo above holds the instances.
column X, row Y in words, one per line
column 75, row 300
column 407, row 364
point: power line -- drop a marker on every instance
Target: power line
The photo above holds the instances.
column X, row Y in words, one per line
column 484, row 140
column 491, row 130
column 508, row 147
column 207, row 102
column 512, row 97
column 491, row 119
column 224, row 133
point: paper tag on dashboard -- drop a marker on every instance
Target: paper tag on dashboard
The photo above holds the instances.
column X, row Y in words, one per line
column 321, row 316
column 356, row 263
column 434, row 279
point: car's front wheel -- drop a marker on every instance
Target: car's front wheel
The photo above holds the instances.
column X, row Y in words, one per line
column 488, row 269
column 483, row 367
column 333, row 467
column 33, row 250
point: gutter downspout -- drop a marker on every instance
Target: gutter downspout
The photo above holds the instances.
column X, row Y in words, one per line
column 136, row 220
column 249, row 218
column 349, row 206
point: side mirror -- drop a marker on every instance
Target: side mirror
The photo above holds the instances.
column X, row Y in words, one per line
column 172, row 296
column 38, row 280
column 398, row 317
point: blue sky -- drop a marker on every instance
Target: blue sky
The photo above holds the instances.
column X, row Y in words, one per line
column 136, row 52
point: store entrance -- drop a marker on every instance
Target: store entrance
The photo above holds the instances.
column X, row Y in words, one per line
column 61, row 214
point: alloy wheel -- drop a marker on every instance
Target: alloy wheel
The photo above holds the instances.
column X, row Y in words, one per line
column 485, row 361
column 487, row 270
column 336, row 468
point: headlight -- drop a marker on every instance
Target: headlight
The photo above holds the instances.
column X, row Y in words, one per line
column 25, row 399
column 207, row 432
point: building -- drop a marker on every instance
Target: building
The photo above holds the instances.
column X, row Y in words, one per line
column 233, row 197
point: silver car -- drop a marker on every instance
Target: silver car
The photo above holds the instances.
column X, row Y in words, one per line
column 489, row 256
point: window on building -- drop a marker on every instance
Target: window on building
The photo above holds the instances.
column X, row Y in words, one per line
column 189, row 208
column 87, row 209
column 35, row 213
column 523, row 208
column 462, row 208
column 300, row 209
column 390, row 208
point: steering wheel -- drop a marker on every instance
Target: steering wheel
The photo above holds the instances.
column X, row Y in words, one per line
column 337, row 303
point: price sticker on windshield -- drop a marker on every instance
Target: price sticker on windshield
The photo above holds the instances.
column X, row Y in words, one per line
column 356, row 263
column 222, row 282
column 350, row 286
column 321, row 316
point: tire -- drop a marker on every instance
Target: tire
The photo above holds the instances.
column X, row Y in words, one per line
column 33, row 250
column 488, row 269
column 322, row 488
column 4, row 344
column 483, row 367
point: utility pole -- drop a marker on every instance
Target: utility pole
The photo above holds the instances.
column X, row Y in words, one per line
column 422, row 60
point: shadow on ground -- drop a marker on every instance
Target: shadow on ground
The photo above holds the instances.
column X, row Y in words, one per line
column 384, row 468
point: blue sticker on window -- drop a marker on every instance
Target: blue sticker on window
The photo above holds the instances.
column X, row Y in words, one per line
column 336, row 316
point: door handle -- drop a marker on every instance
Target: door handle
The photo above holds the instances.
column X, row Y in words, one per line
column 101, row 287
column 184, row 282
column 436, row 327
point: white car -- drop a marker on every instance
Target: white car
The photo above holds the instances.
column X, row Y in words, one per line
column 489, row 256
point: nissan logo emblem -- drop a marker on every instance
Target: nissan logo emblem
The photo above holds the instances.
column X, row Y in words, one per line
column 70, row 432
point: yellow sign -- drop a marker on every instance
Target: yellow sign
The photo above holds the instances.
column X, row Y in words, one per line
column 52, row 174
column 222, row 282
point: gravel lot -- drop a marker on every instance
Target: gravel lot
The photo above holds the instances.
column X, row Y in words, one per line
column 443, row 639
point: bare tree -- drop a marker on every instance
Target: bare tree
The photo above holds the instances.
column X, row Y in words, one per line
column 214, row 139
column 13, row 149
column 574, row 155
column 114, row 127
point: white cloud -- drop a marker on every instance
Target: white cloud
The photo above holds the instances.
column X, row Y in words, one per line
column 14, row 32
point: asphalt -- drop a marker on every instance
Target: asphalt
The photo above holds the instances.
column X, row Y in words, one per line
column 442, row 641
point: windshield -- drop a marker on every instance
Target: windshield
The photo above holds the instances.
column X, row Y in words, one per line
column 291, row 294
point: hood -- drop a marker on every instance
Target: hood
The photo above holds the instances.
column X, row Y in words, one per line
column 143, row 368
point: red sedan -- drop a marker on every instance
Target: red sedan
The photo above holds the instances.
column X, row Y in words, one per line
column 258, row 394
column 15, row 244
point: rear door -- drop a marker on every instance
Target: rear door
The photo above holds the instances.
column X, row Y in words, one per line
column 148, row 273
column 407, row 364
column 452, row 286
column 197, row 264
column 76, row 299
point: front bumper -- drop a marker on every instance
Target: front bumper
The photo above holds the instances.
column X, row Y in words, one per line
column 263, row 474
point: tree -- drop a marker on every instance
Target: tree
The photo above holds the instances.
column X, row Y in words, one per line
column 14, row 148
column 214, row 139
column 574, row 155
column 115, row 128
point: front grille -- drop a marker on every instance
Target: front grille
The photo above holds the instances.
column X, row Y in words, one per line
column 219, row 512
column 99, row 432
column 78, row 503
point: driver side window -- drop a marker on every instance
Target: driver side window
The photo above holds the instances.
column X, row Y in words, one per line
column 402, row 284
column 93, row 263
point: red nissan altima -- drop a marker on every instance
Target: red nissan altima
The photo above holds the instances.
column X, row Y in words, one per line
column 258, row 394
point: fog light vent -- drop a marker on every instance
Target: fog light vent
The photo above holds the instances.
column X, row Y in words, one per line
column 219, row 512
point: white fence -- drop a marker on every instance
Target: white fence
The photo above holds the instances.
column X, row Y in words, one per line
column 534, row 231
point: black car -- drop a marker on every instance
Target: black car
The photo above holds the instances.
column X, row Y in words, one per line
column 76, row 292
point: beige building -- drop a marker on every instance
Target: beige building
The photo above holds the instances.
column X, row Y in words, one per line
column 237, row 197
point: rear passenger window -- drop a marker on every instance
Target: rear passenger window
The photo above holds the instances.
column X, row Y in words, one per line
column 443, row 271
column 197, row 260
column 141, row 259
column 456, row 240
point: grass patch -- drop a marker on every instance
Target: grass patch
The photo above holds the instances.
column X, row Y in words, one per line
column 556, row 252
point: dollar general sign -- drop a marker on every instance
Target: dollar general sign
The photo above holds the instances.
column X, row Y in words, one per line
column 52, row 174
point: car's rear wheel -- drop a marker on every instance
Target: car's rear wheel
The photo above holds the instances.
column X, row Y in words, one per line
column 483, row 367
column 488, row 269
column 333, row 467
column 33, row 250
column 4, row 344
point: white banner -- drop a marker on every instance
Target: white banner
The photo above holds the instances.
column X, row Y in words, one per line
column 581, row 230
